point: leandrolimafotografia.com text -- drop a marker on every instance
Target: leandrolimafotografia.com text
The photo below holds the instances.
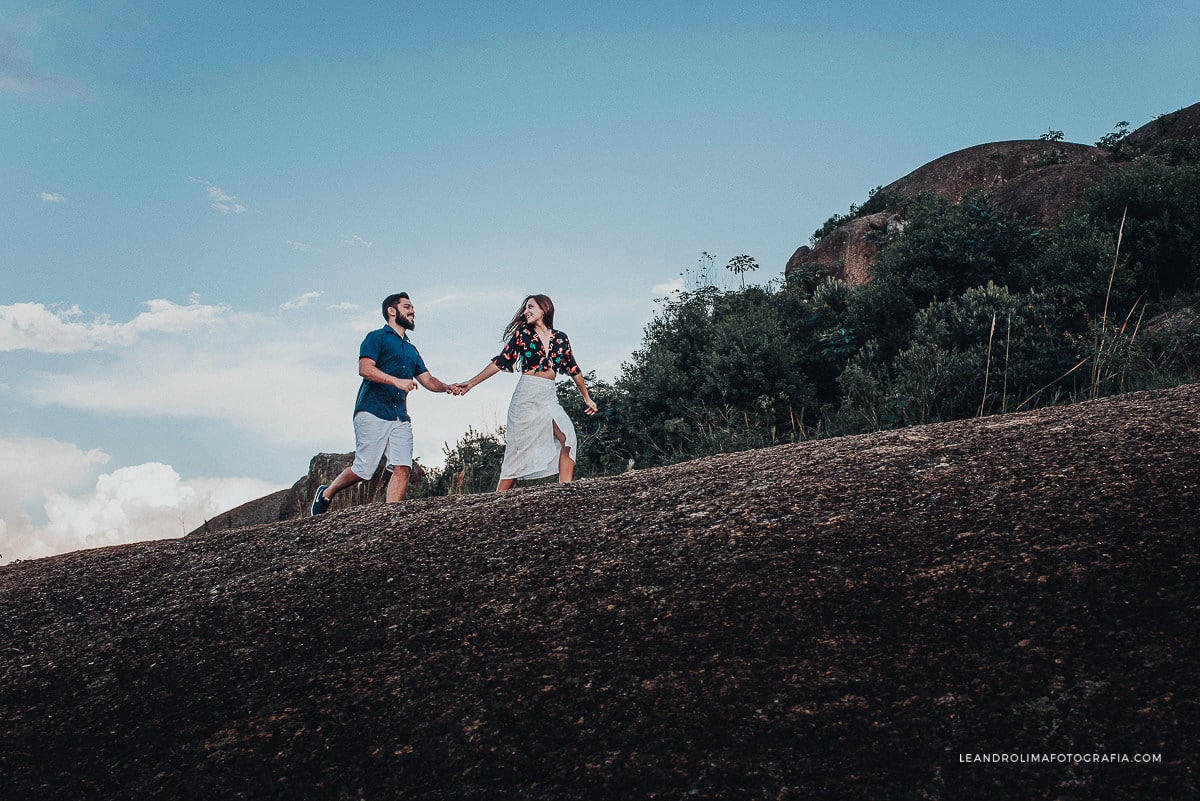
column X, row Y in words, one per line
column 1060, row 758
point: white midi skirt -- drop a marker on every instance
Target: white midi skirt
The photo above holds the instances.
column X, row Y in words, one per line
column 532, row 449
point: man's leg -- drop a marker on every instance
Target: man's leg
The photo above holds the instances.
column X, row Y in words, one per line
column 398, row 484
column 324, row 496
column 347, row 478
column 370, row 437
column 400, row 450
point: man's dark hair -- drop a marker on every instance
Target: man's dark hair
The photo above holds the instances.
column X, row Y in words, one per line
column 392, row 300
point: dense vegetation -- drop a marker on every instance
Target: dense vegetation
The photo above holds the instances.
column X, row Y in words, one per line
column 969, row 311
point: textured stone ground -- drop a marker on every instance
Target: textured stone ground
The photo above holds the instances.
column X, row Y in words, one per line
column 843, row 619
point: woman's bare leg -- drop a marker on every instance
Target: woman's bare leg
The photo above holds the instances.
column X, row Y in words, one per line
column 505, row 484
column 566, row 465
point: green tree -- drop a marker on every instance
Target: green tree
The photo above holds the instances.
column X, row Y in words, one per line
column 946, row 249
column 1112, row 140
column 1161, row 240
column 471, row 466
column 987, row 350
column 740, row 265
column 716, row 371
column 1084, row 272
column 602, row 437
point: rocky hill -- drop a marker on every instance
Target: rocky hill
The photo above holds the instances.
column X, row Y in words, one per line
column 1030, row 178
column 860, row 618
column 295, row 501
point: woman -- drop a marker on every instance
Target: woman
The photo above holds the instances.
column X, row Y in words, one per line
column 541, row 438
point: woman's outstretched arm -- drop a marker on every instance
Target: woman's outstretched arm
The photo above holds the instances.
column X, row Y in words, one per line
column 589, row 404
column 482, row 376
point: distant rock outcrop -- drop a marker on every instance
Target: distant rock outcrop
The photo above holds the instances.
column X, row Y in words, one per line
column 846, row 251
column 1163, row 134
column 1030, row 178
column 295, row 502
column 1046, row 193
column 998, row 164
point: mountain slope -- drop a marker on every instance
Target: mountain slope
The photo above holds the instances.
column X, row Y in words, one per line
column 842, row 618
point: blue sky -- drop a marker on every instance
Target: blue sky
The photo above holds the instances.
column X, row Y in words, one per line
column 203, row 204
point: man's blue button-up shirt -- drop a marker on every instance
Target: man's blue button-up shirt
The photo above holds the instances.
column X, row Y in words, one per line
column 397, row 356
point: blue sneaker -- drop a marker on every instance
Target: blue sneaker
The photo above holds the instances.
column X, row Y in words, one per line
column 320, row 504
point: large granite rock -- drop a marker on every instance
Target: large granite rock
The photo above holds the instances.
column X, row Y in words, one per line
column 1030, row 178
column 295, row 502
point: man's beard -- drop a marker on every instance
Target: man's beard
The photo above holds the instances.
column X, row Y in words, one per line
column 405, row 323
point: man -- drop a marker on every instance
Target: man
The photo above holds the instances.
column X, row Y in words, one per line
column 391, row 368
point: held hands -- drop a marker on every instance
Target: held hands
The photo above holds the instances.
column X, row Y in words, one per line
column 411, row 384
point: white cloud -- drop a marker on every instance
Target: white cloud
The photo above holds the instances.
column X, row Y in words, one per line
column 355, row 239
column 300, row 302
column 226, row 204
column 163, row 315
column 52, row 197
column 33, row 326
column 286, row 385
column 281, row 384
column 130, row 504
column 669, row 288
column 19, row 74
column 220, row 199
column 32, row 466
column 298, row 246
column 344, row 306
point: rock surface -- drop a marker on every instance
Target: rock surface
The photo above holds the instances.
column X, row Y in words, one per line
column 1029, row 178
column 994, row 165
column 845, row 250
column 856, row 618
column 1160, row 134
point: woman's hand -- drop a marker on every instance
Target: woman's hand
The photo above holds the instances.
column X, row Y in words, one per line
column 589, row 406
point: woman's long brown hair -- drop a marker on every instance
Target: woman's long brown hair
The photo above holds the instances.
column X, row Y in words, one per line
column 518, row 320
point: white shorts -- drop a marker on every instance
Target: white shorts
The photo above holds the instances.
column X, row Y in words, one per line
column 372, row 436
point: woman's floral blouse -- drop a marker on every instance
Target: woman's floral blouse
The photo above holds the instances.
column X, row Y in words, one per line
column 524, row 347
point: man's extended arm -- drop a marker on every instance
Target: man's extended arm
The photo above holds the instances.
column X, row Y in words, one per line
column 433, row 384
column 368, row 370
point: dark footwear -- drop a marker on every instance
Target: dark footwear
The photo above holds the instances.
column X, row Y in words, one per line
column 320, row 504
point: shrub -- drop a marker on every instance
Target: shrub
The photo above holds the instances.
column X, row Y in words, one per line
column 472, row 465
